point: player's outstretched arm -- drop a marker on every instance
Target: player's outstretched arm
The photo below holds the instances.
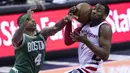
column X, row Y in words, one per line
column 49, row 31
column 18, row 36
column 68, row 29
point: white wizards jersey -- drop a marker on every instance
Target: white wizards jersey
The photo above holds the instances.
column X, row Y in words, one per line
column 86, row 56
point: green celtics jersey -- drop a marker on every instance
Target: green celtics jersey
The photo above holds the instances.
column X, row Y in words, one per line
column 30, row 54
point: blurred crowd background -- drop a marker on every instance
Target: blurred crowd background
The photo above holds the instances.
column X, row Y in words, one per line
column 18, row 2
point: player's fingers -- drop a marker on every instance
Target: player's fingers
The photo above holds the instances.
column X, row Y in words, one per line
column 67, row 19
column 71, row 15
column 32, row 8
column 73, row 38
column 30, row 11
column 74, row 16
column 73, row 10
column 76, row 33
column 72, row 34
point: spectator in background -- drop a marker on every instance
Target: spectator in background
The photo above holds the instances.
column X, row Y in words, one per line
column 12, row 2
column 49, row 1
column 6, row 2
column 35, row 2
column 20, row 1
column 3, row 2
column 65, row 1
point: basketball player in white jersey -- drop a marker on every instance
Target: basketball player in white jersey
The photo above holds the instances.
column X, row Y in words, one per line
column 94, row 40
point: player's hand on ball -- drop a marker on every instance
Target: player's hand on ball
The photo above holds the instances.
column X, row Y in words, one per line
column 67, row 19
column 72, row 10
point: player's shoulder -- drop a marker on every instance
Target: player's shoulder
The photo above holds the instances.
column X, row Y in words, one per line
column 105, row 28
column 43, row 37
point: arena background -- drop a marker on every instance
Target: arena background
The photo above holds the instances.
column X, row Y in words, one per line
column 59, row 57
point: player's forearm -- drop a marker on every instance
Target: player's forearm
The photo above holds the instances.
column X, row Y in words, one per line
column 18, row 34
column 49, row 31
column 67, row 38
column 99, row 51
column 60, row 25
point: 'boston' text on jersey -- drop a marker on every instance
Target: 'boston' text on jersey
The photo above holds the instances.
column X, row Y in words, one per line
column 35, row 45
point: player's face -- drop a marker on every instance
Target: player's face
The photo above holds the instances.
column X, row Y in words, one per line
column 97, row 12
column 31, row 24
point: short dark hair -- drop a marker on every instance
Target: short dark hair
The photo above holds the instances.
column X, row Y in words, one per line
column 107, row 9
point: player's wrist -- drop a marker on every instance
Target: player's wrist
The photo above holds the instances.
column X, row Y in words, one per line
column 86, row 41
column 23, row 26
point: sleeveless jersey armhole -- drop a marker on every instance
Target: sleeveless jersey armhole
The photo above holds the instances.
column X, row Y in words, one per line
column 21, row 43
column 103, row 23
column 42, row 38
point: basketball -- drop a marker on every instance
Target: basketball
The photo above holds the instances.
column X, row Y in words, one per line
column 83, row 12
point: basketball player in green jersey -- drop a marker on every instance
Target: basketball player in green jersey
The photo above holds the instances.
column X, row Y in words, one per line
column 29, row 45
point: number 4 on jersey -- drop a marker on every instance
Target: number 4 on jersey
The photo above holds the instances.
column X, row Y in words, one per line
column 38, row 59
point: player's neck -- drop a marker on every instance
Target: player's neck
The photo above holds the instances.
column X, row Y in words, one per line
column 95, row 23
column 30, row 33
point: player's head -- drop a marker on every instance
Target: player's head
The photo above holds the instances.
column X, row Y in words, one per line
column 99, row 12
column 31, row 23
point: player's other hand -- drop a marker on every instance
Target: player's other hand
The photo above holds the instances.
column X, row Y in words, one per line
column 30, row 11
column 77, row 37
